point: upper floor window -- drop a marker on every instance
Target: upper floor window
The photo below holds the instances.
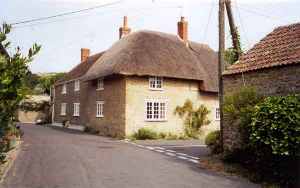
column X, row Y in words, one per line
column 99, row 108
column 218, row 114
column 63, row 109
column 156, row 110
column 64, row 89
column 156, row 83
column 100, row 84
column 76, row 108
column 77, row 85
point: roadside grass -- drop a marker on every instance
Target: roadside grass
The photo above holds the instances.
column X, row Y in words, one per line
column 149, row 134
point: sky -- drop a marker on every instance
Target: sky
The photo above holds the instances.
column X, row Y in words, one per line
column 63, row 37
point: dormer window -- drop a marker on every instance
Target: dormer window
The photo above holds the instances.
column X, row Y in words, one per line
column 77, row 85
column 156, row 83
column 100, row 84
column 64, row 89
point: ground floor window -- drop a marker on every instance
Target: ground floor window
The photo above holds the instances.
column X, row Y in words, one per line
column 76, row 108
column 156, row 110
column 99, row 108
column 63, row 109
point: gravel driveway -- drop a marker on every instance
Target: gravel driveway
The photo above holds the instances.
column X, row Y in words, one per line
column 55, row 158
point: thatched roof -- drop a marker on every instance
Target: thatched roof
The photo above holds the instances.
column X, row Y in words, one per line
column 149, row 53
column 279, row 48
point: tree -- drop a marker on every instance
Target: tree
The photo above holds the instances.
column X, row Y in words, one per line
column 13, row 71
column 46, row 81
column 194, row 118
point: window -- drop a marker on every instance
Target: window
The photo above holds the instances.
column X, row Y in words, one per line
column 218, row 114
column 64, row 89
column 99, row 108
column 63, row 109
column 156, row 110
column 100, row 84
column 156, row 83
column 76, row 108
column 77, row 85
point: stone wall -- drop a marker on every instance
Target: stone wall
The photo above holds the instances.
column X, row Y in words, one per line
column 113, row 95
column 271, row 81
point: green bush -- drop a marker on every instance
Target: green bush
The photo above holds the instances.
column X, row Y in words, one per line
column 213, row 142
column 171, row 136
column 276, row 125
column 275, row 138
column 145, row 134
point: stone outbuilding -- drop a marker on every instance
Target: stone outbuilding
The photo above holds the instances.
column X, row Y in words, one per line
column 272, row 66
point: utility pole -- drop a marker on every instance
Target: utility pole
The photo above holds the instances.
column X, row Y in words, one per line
column 233, row 29
column 221, row 62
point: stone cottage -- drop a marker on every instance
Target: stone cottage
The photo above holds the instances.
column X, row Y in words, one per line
column 272, row 66
column 138, row 82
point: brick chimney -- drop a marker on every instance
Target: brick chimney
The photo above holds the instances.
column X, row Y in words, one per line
column 182, row 29
column 85, row 53
column 125, row 30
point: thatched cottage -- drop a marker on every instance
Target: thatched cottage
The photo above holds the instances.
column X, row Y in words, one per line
column 138, row 82
column 272, row 66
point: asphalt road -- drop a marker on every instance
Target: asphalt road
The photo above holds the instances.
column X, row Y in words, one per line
column 54, row 158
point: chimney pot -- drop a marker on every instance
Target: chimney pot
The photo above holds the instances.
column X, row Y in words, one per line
column 85, row 53
column 182, row 29
column 125, row 30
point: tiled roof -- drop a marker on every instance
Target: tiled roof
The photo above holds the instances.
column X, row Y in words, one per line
column 280, row 47
column 81, row 68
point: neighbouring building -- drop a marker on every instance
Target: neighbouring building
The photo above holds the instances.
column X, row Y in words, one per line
column 35, row 109
column 138, row 82
column 272, row 66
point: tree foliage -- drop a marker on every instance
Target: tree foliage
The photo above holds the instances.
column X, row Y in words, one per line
column 46, row 81
column 231, row 54
column 194, row 119
column 13, row 71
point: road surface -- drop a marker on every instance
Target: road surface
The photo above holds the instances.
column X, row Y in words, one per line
column 56, row 158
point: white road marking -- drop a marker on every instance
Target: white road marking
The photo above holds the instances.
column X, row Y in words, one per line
column 197, row 158
column 193, row 160
column 181, row 157
column 150, row 148
column 159, row 148
column 170, row 154
column 200, row 145
column 172, row 151
column 182, row 154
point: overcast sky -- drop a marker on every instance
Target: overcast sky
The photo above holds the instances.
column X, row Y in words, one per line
column 61, row 38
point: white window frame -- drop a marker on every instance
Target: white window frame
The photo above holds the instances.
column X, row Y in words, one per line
column 100, row 84
column 154, row 82
column 161, row 111
column 64, row 89
column 217, row 114
column 76, row 85
column 76, row 109
column 63, row 109
column 99, row 109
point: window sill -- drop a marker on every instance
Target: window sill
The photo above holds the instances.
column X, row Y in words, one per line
column 99, row 89
column 217, row 120
column 99, row 116
column 156, row 89
column 156, row 120
column 62, row 114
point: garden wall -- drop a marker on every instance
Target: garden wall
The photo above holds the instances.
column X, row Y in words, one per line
column 278, row 81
